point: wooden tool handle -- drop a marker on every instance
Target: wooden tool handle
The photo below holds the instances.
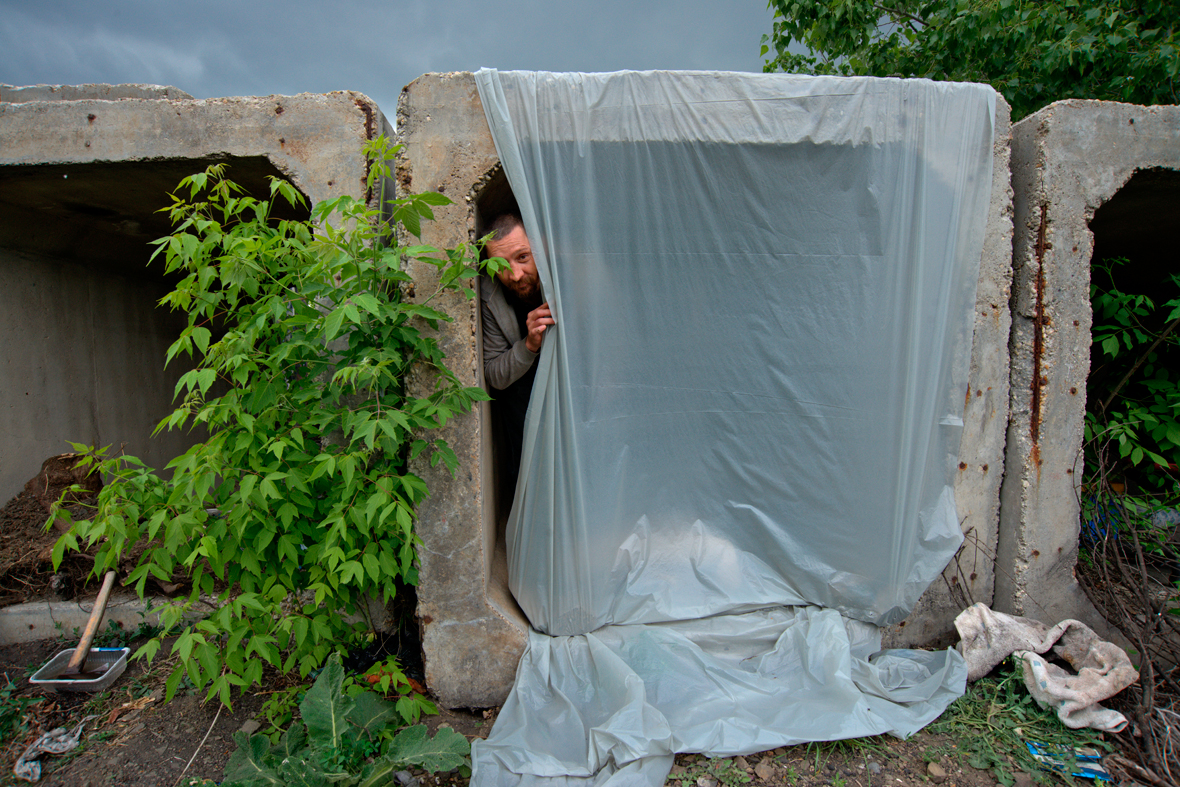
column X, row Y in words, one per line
column 100, row 606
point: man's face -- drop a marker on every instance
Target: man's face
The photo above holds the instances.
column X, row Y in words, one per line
column 521, row 277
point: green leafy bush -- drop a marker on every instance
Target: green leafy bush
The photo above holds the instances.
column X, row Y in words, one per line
column 1033, row 53
column 299, row 505
column 347, row 741
column 385, row 677
column 1133, row 391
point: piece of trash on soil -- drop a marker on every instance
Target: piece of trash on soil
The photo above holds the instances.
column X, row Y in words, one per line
column 1072, row 760
column 56, row 741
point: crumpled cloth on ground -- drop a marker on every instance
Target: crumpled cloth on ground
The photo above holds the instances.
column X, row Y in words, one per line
column 56, row 741
column 1104, row 669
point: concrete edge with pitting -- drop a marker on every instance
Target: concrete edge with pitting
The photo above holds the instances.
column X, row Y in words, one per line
column 37, row 620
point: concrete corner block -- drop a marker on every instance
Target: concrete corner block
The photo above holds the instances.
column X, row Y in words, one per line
column 472, row 632
column 970, row 576
column 82, row 178
column 314, row 139
column 1067, row 160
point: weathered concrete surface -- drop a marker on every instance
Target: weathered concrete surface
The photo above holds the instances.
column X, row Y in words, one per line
column 48, row 619
column 81, row 342
column 81, row 356
column 472, row 634
column 18, row 95
column 36, row 620
column 1067, row 160
column 313, row 139
column 970, row 576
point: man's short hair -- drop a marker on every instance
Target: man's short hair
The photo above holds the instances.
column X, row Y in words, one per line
column 504, row 224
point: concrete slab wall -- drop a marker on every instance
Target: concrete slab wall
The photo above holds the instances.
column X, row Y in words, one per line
column 19, row 95
column 81, row 358
column 473, row 631
column 313, row 139
column 1067, row 160
column 81, row 342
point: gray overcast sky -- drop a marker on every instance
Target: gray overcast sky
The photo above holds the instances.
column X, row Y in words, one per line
column 252, row 47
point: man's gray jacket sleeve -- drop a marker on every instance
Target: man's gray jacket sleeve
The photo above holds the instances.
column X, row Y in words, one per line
column 505, row 356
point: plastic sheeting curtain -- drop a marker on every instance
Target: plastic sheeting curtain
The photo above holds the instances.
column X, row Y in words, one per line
column 752, row 399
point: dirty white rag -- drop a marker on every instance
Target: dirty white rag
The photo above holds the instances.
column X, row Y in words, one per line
column 1103, row 668
column 56, row 741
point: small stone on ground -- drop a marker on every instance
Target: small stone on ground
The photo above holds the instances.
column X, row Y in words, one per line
column 764, row 770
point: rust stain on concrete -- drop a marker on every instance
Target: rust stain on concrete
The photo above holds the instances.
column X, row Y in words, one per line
column 364, row 107
column 1039, row 322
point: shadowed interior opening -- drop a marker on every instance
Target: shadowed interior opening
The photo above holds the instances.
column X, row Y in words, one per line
column 493, row 199
column 83, row 339
column 1135, row 356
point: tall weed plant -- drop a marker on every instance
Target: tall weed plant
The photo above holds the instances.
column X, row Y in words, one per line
column 1133, row 390
column 299, row 505
column 1132, row 422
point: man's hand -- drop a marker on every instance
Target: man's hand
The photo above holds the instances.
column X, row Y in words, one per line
column 538, row 320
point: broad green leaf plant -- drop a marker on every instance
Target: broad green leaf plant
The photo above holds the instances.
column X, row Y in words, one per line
column 343, row 740
column 299, row 504
column 1133, row 392
column 1132, row 423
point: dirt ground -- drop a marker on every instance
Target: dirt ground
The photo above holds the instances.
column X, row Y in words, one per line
column 136, row 740
column 26, row 567
column 133, row 739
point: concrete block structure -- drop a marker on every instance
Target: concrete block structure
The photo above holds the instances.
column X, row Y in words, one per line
column 1092, row 180
column 473, row 632
column 83, row 172
column 11, row 94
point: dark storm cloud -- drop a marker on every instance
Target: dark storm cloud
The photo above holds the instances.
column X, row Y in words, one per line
column 227, row 48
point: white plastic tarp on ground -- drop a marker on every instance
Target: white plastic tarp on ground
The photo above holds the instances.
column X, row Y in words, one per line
column 752, row 400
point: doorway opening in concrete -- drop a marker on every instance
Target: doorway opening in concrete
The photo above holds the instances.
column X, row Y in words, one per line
column 82, row 340
column 491, row 199
column 1133, row 389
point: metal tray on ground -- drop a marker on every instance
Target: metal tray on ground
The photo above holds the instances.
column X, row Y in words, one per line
column 109, row 661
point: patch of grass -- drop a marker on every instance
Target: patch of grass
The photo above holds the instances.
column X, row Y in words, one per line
column 115, row 636
column 14, row 712
column 992, row 721
column 724, row 771
column 819, row 752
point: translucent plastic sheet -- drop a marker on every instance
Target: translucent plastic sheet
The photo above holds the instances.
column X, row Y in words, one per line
column 763, row 286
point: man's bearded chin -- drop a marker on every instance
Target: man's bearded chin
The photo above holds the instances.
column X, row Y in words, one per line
column 527, row 291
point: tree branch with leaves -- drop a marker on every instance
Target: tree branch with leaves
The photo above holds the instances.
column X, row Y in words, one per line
column 1033, row 52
